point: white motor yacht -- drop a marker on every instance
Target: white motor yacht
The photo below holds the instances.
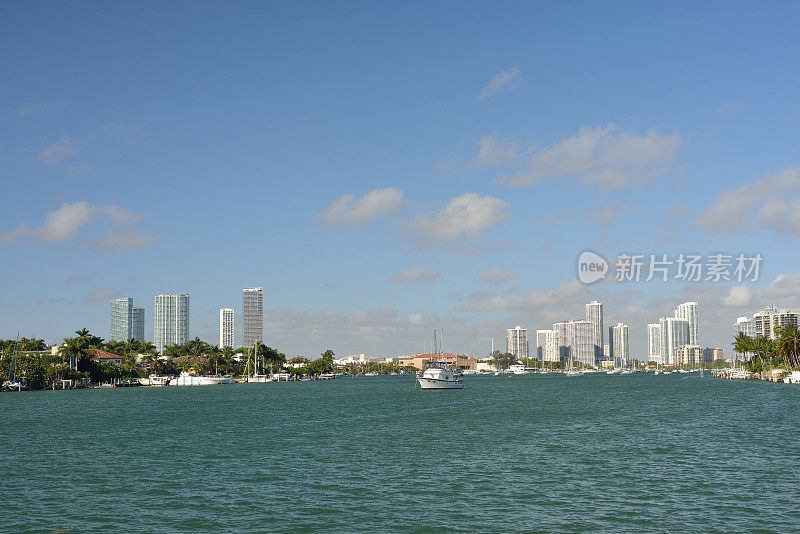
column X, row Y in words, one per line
column 190, row 379
column 439, row 376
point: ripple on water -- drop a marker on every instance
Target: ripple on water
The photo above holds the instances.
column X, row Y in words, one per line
column 532, row 454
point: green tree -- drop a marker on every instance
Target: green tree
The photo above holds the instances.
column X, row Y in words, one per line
column 788, row 345
column 502, row 361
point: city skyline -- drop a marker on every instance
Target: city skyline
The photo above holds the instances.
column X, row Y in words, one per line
column 386, row 186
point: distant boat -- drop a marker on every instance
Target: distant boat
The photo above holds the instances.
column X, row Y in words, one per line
column 190, row 379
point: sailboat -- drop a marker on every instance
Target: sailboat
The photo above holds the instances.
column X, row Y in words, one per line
column 570, row 371
column 12, row 383
column 255, row 377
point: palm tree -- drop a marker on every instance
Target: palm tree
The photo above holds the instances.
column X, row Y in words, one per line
column 743, row 344
column 153, row 361
column 214, row 357
column 75, row 349
column 789, row 344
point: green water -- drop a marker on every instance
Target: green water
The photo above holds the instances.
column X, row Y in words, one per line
column 525, row 454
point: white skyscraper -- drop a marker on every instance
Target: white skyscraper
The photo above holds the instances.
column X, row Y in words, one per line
column 745, row 325
column 121, row 315
column 137, row 324
column 253, row 311
column 517, row 342
column 688, row 311
column 170, row 320
column 674, row 334
column 594, row 314
column 127, row 322
column 547, row 344
column 226, row 328
column 620, row 343
column 576, row 339
column 654, row 342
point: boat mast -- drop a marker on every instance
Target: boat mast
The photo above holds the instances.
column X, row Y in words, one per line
column 475, row 337
column 13, row 360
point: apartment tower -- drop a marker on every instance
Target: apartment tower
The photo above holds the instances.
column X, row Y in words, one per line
column 253, row 311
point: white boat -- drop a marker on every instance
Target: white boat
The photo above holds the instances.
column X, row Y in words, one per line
column 190, row 379
column 155, row 380
column 573, row 372
column 439, row 376
column 259, row 379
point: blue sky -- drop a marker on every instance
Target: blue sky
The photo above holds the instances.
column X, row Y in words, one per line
column 203, row 148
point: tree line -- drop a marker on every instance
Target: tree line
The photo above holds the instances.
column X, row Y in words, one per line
column 139, row 359
column 762, row 353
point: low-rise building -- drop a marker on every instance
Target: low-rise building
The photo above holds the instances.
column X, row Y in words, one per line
column 461, row 361
column 102, row 356
column 358, row 359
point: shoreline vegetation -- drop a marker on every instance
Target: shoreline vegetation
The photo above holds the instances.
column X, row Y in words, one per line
column 80, row 360
column 762, row 354
column 90, row 360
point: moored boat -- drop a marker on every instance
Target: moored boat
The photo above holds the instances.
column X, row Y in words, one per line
column 439, row 376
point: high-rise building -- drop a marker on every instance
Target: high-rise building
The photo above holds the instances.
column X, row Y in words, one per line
column 688, row 311
column 765, row 322
column 674, row 333
column 226, row 328
column 745, row 325
column 127, row 322
column 137, row 324
column 654, row 343
column 253, row 311
column 121, row 315
column 619, row 336
column 576, row 339
column 517, row 342
column 547, row 344
column 170, row 320
column 594, row 314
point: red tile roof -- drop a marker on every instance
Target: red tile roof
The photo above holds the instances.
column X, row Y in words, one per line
column 98, row 354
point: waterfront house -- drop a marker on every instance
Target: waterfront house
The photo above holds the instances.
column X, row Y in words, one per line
column 102, row 356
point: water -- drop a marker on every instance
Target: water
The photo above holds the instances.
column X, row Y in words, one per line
column 528, row 453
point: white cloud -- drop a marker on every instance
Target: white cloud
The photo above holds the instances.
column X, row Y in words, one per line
column 606, row 216
column 466, row 215
column 502, row 82
column 416, row 274
column 605, row 156
column 496, row 275
column 496, row 152
column 782, row 286
column 378, row 332
column 57, row 152
column 351, row 211
column 772, row 203
column 66, row 222
column 738, row 296
column 569, row 291
column 415, row 318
